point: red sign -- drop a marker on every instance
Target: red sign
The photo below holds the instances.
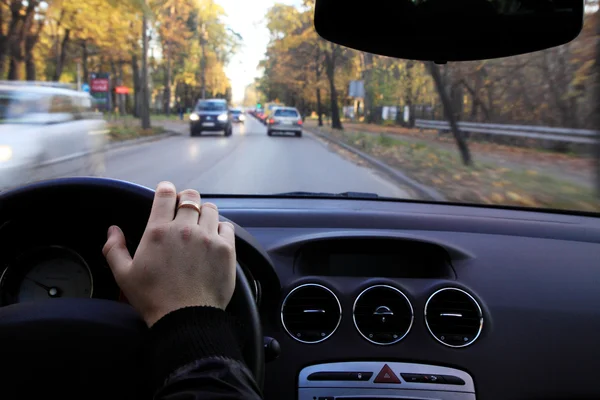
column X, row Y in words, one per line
column 99, row 85
column 122, row 90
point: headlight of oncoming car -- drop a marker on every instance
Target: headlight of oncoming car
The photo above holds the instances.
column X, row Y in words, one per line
column 5, row 153
column 242, row 117
column 194, row 117
column 222, row 117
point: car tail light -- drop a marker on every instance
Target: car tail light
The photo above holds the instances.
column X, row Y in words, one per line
column 271, row 121
column 299, row 122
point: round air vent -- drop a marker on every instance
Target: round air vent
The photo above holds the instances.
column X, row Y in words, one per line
column 382, row 314
column 453, row 317
column 311, row 313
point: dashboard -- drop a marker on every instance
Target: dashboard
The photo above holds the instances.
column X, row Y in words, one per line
column 375, row 299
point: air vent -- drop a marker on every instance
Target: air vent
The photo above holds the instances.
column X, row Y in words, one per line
column 382, row 314
column 453, row 317
column 311, row 313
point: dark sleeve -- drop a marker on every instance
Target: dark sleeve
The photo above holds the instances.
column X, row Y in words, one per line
column 195, row 354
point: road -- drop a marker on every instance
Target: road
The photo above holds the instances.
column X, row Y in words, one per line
column 248, row 162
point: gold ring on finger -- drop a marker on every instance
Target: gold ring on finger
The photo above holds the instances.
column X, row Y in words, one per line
column 189, row 204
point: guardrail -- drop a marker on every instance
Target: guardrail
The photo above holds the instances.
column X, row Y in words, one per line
column 522, row 131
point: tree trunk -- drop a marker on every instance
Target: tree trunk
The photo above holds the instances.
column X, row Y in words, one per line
column 319, row 107
column 203, row 61
column 32, row 37
column 167, row 90
column 145, row 95
column 84, row 62
column 367, row 75
column 60, row 60
column 318, row 70
column 30, row 72
column 408, row 96
column 122, row 97
column 135, row 69
column 21, row 38
column 8, row 39
column 14, row 70
column 330, row 60
column 113, row 83
column 449, row 113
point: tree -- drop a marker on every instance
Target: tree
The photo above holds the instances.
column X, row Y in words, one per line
column 450, row 115
column 145, row 95
column 332, row 54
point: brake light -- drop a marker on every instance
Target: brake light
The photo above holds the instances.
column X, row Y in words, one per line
column 271, row 121
column 299, row 122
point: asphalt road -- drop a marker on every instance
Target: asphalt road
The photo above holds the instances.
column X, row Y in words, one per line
column 248, row 162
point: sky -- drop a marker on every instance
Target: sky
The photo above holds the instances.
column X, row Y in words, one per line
column 247, row 17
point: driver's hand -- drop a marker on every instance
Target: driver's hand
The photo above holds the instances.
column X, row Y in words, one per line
column 184, row 259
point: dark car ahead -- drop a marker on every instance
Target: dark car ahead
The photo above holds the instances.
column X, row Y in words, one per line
column 237, row 115
column 209, row 116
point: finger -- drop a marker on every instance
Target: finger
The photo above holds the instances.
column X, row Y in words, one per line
column 187, row 214
column 209, row 218
column 227, row 232
column 115, row 251
column 163, row 207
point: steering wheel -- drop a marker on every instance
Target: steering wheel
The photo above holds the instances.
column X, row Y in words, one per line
column 92, row 347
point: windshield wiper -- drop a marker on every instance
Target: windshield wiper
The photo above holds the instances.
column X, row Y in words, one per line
column 353, row 195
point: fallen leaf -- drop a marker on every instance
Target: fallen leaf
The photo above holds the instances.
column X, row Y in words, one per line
column 497, row 198
column 514, row 196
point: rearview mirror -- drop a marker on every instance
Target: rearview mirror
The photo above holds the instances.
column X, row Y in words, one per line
column 449, row 30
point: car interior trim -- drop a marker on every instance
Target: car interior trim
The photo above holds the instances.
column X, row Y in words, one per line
column 432, row 386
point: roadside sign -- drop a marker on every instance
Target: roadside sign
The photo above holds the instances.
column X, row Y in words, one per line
column 356, row 89
column 85, row 87
column 100, row 85
column 99, row 88
column 122, row 90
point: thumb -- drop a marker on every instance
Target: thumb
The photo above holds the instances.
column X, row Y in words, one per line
column 115, row 251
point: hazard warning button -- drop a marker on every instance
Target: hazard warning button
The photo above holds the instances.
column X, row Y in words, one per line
column 386, row 375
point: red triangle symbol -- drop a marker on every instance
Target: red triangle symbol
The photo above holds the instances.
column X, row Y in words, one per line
column 386, row 375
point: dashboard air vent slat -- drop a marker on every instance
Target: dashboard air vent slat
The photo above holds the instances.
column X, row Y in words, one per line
column 311, row 313
column 382, row 314
column 453, row 317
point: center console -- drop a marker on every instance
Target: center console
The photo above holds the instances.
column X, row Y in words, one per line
column 369, row 380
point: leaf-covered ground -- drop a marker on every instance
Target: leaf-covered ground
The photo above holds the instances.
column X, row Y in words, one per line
column 485, row 182
column 566, row 166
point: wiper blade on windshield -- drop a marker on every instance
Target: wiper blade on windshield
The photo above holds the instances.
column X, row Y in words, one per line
column 350, row 195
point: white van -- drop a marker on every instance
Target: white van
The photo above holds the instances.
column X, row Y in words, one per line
column 48, row 132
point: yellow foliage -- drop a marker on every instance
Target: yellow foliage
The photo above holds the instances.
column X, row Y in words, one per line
column 497, row 198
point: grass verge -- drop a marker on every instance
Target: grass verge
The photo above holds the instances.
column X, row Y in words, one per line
column 481, row 183
column 119, row 131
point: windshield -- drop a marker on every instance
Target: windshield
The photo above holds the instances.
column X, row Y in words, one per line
column 285, row 113
column 211, row 106
column 20, row 107
column 366, row 126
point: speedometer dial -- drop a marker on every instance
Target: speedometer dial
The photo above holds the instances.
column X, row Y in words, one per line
column 50, row 273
